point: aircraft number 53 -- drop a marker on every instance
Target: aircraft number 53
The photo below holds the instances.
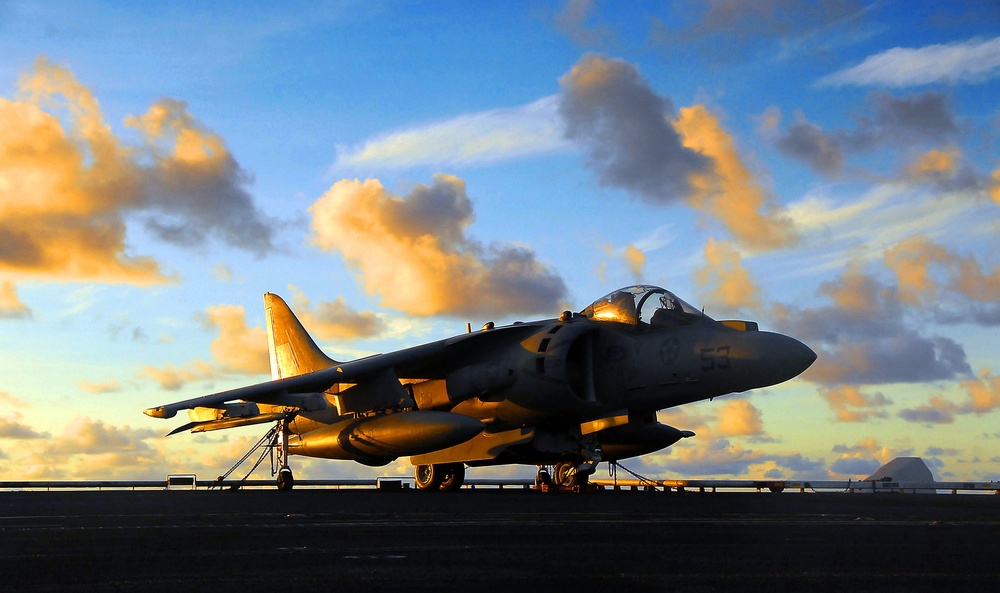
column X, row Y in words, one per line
column 715, row 358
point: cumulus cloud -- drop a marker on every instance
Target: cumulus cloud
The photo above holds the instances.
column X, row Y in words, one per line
column 13, row 427
column 984, row 393
column 195, row 185
column 414, row 252
column 67, row 185
column 854, row 466
column 738, row 417
column 728, row 283
column 863, row 458
column 953, row 286
column 172, row 377
column 634, row 143
column 332, row 320
column 623, row 125
column 11, row 306
column 862, row 338
column 915, row 120
column 715, row 457
column 852, row 405
column 970, row 61
column 88, row 448
column 728, row 190
column 937, row 411
column 810, row 144
column 238, row 348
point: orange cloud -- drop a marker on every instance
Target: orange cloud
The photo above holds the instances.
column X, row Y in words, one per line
column 67, row 184
column 851, row 405
column 729, row 282
column 238, row 348
column 110, row 386
column 984, row 392
column 635, row 260
column 11, row 306
column 335, row 319
column 936, row 163
column 413, row 251
column 173, row 378
column 729, row 191
column 995, row 186
column 739, row 417
column 61, row 194
column 911, row 261
column 854, row 292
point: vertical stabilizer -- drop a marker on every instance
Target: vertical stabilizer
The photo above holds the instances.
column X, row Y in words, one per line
column 290, row 348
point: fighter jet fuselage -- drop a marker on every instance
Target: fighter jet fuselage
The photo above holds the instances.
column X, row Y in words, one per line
column 570, row 392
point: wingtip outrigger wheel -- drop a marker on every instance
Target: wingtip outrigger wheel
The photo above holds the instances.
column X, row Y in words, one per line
column 285, row 479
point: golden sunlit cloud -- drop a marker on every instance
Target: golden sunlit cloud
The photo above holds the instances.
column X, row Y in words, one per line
column 635, row 260
column 851, row 405
column 172, row 378
column 854, row 292
column 729, row 191
column 935, row 163
column 333, row 320
column 238, row 348
column 984, row 392
column 995, row 186
column 11, row 306
column 12, row 427
column 729, row 283
column 911, row 262
column 12, row 400
column 739, row 417
column 413, row 251
column 67, row 183
column 109, row 386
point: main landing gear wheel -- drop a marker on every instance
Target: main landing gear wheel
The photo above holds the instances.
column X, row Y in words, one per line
column 285, row 479
column 567, row 476
column 428, row 477
column 452, row 476
column 441, row 476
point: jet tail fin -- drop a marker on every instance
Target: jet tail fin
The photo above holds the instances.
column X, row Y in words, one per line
column 292, row 351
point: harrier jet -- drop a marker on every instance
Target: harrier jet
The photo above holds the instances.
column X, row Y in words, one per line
column 566, row 393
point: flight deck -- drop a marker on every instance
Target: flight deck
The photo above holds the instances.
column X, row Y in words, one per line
column 362, row 539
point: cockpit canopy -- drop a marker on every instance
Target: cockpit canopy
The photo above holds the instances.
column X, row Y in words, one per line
column 643, row 305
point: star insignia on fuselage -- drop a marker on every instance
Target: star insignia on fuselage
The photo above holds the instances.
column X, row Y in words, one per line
column 669, row 351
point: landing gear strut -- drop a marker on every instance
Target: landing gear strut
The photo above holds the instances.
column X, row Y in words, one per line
column 285, row 478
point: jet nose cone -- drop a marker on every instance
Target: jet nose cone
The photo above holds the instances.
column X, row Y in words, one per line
column 800, row 356
column 790, row 355
column 766, row 358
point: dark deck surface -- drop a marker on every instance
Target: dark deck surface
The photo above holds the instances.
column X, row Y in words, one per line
column 490, row 540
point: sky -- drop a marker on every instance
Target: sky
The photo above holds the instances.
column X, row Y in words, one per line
column 395, row 170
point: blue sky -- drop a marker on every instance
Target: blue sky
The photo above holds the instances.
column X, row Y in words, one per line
column 397, row 169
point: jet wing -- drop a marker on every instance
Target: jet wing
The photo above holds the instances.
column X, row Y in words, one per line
column 428, row 361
